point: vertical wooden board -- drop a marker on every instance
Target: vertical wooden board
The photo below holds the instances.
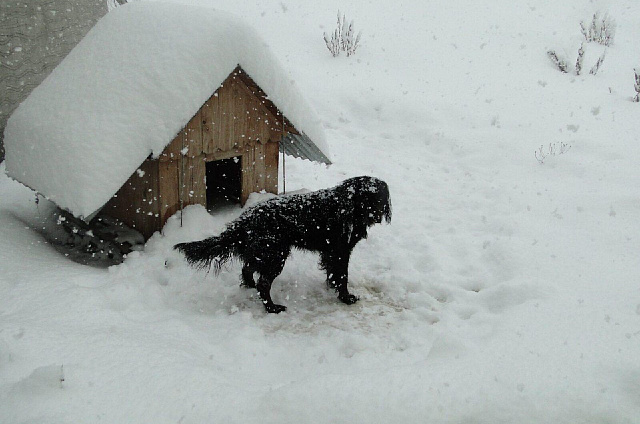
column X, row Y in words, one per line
column 271, row 158
column 235, row 118
column 206, row 116
column 226, row 143
column 262, row 130
column 232, row 116
column 249, row 120
column 222, row 117
column 260, row 171
column 193, row 135
column 169, row 189
column 256, row 119
column 241, row 119
column 254, row 112
column 185, row 172
column 216, row 122
column 193, row 188
column 240, row 127
column 147, row 215
column 262, row 123
column 248, row 160
column 145, row 203
column 244, row 114
column 199, row 181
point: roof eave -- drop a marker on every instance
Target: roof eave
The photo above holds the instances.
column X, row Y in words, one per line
column 301, row 146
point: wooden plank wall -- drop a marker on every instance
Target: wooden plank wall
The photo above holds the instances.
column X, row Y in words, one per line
column 181, row 183
column 259, row 169
column 237, row 120
column 234, row 121
column 232, row 117
column 136, row 203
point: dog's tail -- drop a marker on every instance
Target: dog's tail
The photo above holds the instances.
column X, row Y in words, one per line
column 213, row 250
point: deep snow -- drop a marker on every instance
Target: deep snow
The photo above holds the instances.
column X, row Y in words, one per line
column 504, row 290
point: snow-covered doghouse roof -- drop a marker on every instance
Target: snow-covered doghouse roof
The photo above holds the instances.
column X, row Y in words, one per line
column 127, row 89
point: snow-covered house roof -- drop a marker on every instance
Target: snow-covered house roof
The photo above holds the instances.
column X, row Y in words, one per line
column 127, row 89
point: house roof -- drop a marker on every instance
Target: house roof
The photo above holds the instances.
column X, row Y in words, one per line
column 128, row 88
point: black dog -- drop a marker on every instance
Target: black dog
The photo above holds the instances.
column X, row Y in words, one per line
column 330, row 221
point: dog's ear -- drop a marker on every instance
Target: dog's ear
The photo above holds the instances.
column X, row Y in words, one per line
column 385, row 198
column 381, row 202
column 380, row 199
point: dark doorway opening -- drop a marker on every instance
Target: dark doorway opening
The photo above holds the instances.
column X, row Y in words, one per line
column 223, row 179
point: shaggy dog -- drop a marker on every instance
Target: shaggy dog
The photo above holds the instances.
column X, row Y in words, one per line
column 330, row 222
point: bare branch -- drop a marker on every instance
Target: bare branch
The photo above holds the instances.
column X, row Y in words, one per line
column 561, row 64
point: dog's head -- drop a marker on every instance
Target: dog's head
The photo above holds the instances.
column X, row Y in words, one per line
column 371, row 198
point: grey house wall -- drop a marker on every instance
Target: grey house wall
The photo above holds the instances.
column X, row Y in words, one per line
column 35, row 35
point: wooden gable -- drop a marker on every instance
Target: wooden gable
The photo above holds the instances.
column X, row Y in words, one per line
column 238, row 120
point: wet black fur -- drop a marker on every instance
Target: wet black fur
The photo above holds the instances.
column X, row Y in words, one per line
column 330, row 222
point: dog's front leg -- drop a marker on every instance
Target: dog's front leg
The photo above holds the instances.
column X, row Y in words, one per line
column 337, row 266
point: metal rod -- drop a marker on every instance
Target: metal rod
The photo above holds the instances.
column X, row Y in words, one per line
column 181, row 175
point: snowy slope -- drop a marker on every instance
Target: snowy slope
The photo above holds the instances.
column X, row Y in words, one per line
column 504, row 290
column 126, row 90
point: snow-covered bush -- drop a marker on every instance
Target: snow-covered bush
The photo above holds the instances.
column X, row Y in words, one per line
column 343, row 38
column 601, row 30
column 637, row 85
column 554, row 149
column 562, row 66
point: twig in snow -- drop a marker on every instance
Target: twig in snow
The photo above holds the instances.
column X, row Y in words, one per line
column 596, row 67
column 554, row 149
column 561, row 64
column 637, row 85
column 580, row 59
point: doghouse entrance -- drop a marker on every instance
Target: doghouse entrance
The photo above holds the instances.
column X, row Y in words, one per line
column 224, row 182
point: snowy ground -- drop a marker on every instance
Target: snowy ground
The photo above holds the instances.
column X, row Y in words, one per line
column 504, row 291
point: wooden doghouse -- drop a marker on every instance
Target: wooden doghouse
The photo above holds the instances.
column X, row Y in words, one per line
column 138, row 131
column 228, row 150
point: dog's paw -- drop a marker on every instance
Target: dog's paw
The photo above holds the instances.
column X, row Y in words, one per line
column 275, row 309
column 349, row 299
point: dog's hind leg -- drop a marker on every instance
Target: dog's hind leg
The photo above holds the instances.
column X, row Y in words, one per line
column 269, row 269
column 264, row 289
column 247, row 277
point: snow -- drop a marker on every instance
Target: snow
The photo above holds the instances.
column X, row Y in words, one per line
column 124, row 93
column 503, row 291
